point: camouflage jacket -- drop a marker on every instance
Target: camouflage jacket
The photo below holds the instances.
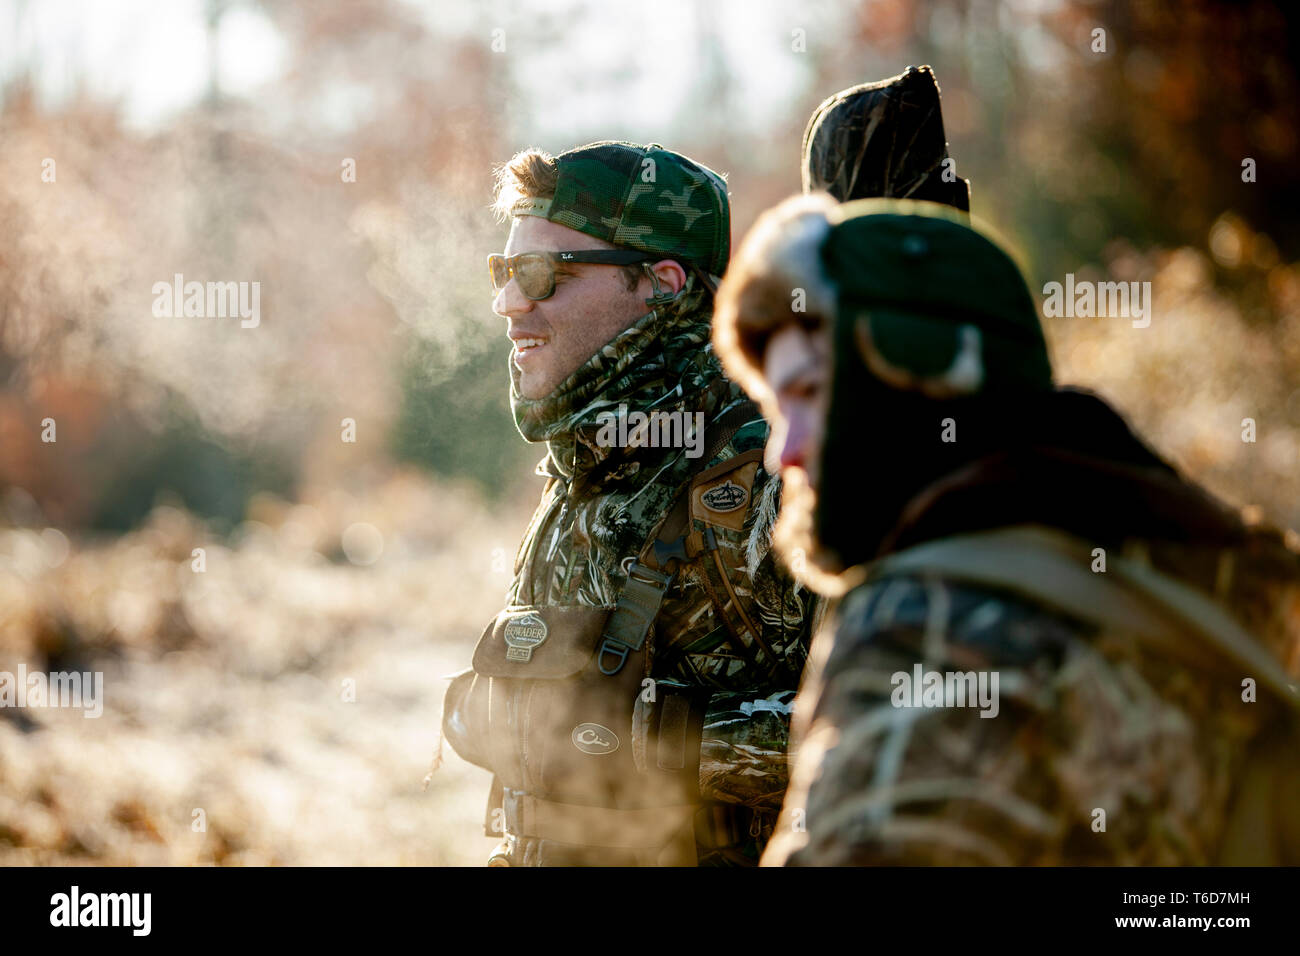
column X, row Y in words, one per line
column 1120, row 731
column 602, row 503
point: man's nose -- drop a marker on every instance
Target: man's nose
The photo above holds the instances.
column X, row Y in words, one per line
column 794, row 444
column 510, row 301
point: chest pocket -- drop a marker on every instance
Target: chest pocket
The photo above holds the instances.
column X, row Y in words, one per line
column 547, row 642
column 548, row 716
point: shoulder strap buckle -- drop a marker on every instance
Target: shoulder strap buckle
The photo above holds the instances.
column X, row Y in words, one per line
column 637, row 607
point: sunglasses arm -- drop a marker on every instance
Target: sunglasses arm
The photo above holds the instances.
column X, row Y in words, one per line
column 660, row 296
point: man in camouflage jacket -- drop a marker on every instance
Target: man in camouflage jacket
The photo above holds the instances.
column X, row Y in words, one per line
column 632, row 700
column 1049, row 648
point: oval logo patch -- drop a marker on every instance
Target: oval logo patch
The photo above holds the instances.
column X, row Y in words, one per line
column 594, row 739
column 522, row 634
column 727, row 496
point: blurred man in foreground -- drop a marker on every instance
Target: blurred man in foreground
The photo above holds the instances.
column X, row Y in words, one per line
column 632, row 699
column 1050, row 648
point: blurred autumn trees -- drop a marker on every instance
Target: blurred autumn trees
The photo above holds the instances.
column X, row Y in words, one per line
column 1123, row 163
column 377, row 562
column 359, row 279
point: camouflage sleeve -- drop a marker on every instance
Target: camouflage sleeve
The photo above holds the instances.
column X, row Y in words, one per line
column 1071, row 748
column 743, row 748
column 746, row 734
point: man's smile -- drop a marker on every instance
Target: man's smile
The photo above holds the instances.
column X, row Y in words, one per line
column 526, row 348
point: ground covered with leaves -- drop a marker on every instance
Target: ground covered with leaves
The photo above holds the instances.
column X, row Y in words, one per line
column 227, row 734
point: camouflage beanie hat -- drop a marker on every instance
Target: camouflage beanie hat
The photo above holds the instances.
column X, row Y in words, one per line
column 641, row 197
column 936, row 306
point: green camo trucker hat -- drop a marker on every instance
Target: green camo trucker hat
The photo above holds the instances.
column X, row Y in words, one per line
column 641, row 197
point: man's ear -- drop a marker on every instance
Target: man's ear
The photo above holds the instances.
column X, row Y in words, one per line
column 670, row 274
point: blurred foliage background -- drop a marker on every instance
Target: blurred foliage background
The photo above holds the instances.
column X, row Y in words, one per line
column 209, row 138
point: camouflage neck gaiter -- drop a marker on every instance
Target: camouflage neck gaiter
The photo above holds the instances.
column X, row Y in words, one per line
column 663, row 362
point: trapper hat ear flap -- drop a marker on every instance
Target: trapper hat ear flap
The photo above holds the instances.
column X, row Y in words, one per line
column 883, row 139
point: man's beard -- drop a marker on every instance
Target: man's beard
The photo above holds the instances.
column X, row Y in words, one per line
column 795, row 539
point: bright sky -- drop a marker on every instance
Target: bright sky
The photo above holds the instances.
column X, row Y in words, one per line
column 152, row 55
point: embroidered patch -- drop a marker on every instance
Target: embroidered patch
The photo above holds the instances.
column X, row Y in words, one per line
column 725, row 497
column 594, row 739
column 522, row 634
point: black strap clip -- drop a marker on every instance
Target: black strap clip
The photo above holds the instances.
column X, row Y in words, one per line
column 667, row 552
column 637, row 607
